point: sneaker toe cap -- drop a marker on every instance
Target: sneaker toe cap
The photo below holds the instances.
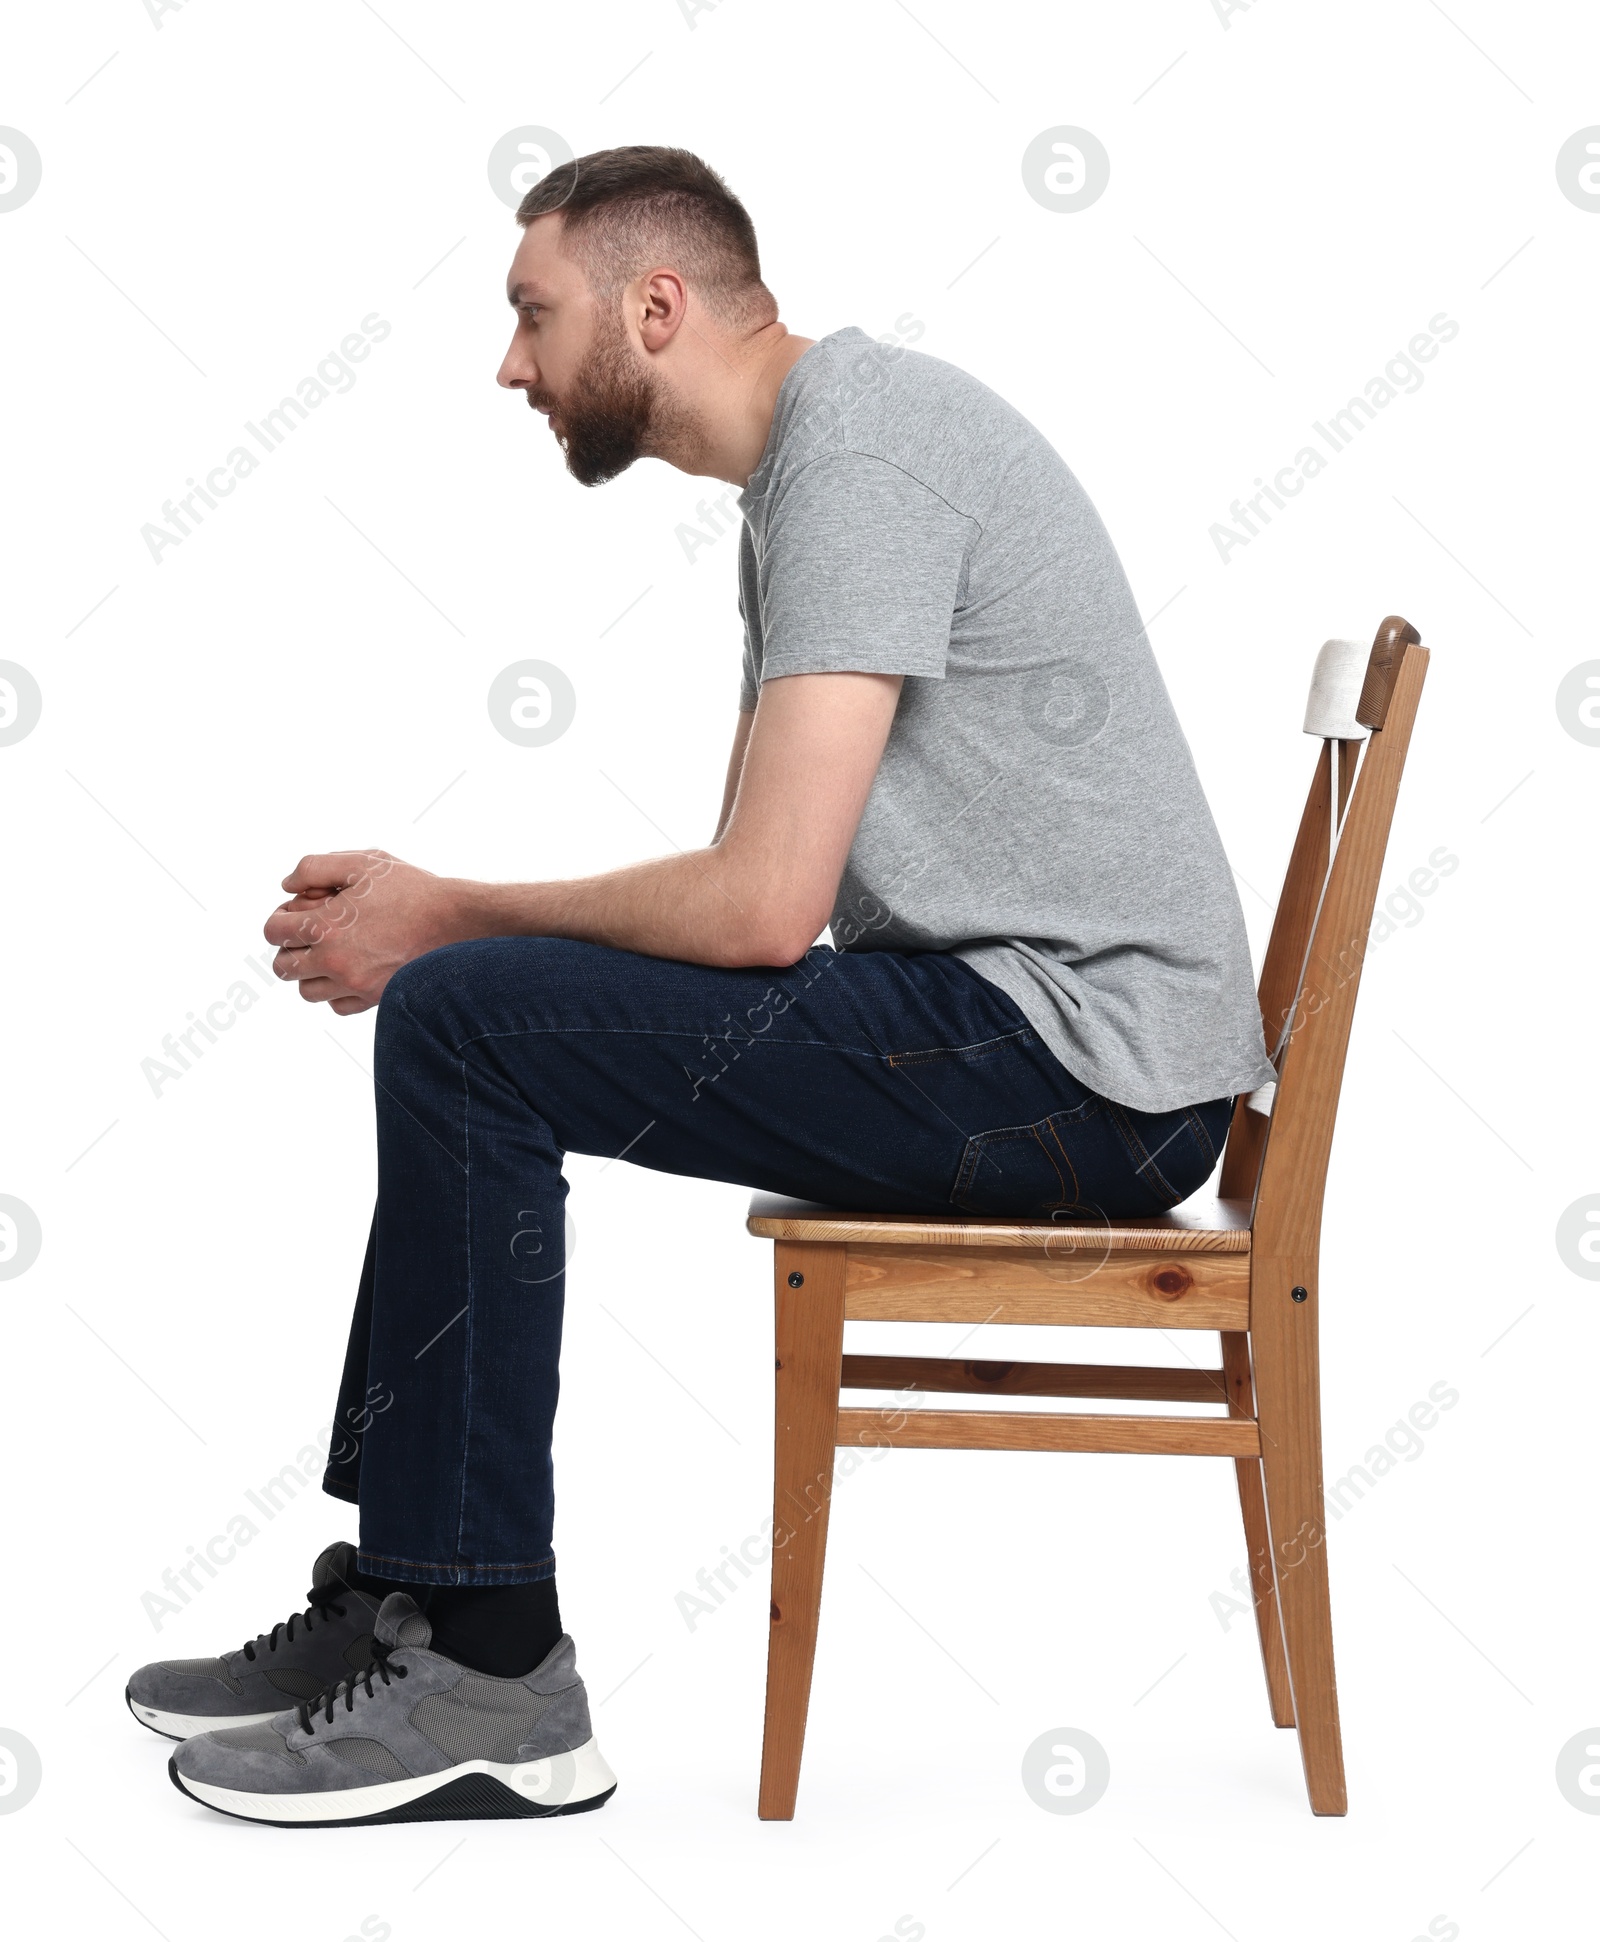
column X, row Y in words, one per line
column 196, row 1686
column 247, row 1759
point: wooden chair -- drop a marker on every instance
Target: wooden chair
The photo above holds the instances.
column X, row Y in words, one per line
column 1245, row 1265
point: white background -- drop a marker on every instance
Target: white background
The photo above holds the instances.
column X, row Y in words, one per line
column 1289, row 204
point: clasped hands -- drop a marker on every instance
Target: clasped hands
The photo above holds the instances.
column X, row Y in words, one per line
column 355, row 916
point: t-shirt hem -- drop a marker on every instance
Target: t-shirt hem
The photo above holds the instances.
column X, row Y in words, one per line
column 853, row 661
column 1106, row 1076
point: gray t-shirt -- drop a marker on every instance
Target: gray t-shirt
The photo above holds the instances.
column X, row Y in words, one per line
column 1036, row 811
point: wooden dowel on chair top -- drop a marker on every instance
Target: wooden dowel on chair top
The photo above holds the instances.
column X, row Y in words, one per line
column 1396, row 634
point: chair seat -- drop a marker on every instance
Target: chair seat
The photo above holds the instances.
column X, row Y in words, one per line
column 1198, row 1227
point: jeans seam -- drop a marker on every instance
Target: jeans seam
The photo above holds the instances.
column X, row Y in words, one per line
column 1066, row 1161
column 428, row 1564
column 1202, row 1138
column 978, row 1145
column 968, row 1054
column 1136, row 1146
column 466, row 1359
column 633, row 1031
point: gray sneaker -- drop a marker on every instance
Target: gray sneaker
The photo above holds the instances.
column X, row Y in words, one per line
column 415, row 1737
column 299, row 1658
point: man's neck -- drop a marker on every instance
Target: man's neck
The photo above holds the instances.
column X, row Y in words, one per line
column 730, row 430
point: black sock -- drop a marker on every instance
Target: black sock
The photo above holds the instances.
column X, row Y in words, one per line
column 375, row 1590
column 504, row 1630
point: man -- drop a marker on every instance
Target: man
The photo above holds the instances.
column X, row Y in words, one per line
column 953, row 747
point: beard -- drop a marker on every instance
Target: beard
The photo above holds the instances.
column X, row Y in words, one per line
column 610, row 411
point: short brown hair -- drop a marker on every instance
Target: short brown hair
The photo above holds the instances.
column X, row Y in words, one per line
column 624, row 210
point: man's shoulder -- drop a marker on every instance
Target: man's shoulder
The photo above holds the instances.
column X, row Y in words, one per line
column 885, row 401
column 853, row 370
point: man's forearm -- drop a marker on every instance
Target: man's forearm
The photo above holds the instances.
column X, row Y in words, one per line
column 700, row 907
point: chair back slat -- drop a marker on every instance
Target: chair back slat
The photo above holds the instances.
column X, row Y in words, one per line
column 1305, row 884
column 1299, row 1137
column 1280, row 971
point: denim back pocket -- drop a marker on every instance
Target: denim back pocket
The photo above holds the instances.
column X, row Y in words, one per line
column 1023, row 1170
column 1099, row 1158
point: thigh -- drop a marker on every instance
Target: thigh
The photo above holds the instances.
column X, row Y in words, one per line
column 865, row 1079
column 848, row 1077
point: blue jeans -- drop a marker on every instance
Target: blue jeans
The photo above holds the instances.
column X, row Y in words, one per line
column 863, row 1079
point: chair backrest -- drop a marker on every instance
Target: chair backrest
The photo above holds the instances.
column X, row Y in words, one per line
column 1277, row 1158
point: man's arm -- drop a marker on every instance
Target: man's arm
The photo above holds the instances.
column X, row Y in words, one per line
column 730, row 788
column 759, row 894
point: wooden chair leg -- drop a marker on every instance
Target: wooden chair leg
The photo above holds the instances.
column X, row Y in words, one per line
column 1288, row 1405
column 809, row 1282
column 1258, row 1544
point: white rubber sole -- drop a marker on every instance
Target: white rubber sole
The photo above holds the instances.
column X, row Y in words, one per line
column 184, row 1726
column 566, row 1783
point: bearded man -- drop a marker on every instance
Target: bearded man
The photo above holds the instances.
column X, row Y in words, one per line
column 953, row 748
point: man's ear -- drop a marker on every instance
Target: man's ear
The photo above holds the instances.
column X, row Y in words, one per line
column 662, row 305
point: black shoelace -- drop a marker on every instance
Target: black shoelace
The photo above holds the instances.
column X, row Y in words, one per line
column 321, row 1604
column 345, row 1689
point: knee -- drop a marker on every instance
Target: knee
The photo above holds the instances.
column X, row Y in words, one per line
column 424, row 993
column 448, row 993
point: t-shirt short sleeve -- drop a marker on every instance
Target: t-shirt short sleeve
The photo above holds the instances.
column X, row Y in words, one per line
column 859, row 571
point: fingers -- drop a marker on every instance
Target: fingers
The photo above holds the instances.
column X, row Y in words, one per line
column 337, row 870
column 318, row 989
column 305, row 931
column 308, row 920
column 318, row 986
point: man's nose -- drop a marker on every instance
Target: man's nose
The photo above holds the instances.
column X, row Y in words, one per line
column 517, row 370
